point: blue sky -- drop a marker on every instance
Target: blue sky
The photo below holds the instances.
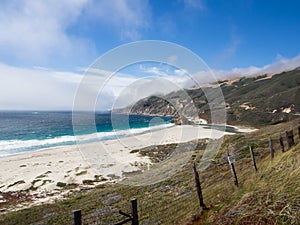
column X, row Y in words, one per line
column 53, row 41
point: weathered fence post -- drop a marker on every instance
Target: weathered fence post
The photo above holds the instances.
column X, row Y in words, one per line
column 299, row 131
column 198, row 186
column 134, row 212
column 253, row 158
column 290, row 138
column 287, row 139
column 77, row 217
column 231, row 161
column 134, row 217
column 281, row 143
column 271, row 148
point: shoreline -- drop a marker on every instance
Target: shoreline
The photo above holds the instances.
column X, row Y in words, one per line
column 29, row 166
column 48, row 172
column 95, row 139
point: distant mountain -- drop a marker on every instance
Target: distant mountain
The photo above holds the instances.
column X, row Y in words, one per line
column 261, row 100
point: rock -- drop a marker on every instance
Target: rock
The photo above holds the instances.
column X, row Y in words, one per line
column 2, row 199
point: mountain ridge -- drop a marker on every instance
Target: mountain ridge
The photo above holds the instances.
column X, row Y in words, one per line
column 261, row 100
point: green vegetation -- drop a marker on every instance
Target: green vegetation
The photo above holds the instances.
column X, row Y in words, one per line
column 61, row 184
column 88, row 182
column 269, row 97
column 254, row 101
column 270, row 196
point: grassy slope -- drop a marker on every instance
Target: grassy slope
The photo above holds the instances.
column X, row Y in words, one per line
column 276, row 93
column 266, row 95
column 271, row 196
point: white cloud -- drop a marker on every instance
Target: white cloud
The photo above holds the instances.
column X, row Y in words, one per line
column 45, row 89
column 180, row 72
column 121, row 89
column 38, row 31
column 25, row 89
column 128, row 17
column 142, row 88
column 179, row 77
column 281, row 64
column 154, row 71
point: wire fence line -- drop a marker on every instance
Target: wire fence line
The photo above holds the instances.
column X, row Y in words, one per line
column 167, row 206
column 152, row 206
column 149, row 211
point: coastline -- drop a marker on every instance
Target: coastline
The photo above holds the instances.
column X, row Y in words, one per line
column 44, row 168
column 52, row 174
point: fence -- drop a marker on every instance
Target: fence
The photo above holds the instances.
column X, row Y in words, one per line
column 290, row 142
column 174, row 203
column 149, row 210
column 163, row 203
column 133, row 218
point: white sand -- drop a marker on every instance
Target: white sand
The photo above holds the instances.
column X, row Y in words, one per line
column 72, row 164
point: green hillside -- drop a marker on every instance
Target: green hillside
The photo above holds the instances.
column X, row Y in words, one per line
column 270, row 100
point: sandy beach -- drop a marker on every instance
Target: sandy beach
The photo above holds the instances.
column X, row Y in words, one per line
column 42, row 170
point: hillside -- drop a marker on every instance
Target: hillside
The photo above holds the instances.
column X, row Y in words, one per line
column 252, row 101
column 269, row 196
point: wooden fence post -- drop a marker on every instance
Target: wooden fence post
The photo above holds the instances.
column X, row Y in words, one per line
column 134, row 217
column 281, row 143
column 198, row 186
column 290, row 138
column 77, row 217
column 231, row 161
column 287, row 139
column 253, row 158
column 299, row 131
column 271, row 148
column 134, row 212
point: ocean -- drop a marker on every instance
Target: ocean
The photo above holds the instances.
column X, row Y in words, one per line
column 25, row 131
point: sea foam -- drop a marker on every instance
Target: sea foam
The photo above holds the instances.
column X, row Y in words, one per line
column 11, row 147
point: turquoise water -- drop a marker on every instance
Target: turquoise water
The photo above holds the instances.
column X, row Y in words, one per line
column 29, row 131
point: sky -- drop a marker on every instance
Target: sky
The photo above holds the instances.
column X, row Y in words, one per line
column 47, row 46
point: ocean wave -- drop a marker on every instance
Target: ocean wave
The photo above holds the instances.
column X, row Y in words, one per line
column 10, row 147
column 17, row 144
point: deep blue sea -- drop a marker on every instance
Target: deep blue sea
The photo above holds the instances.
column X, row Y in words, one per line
column 29, row 131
